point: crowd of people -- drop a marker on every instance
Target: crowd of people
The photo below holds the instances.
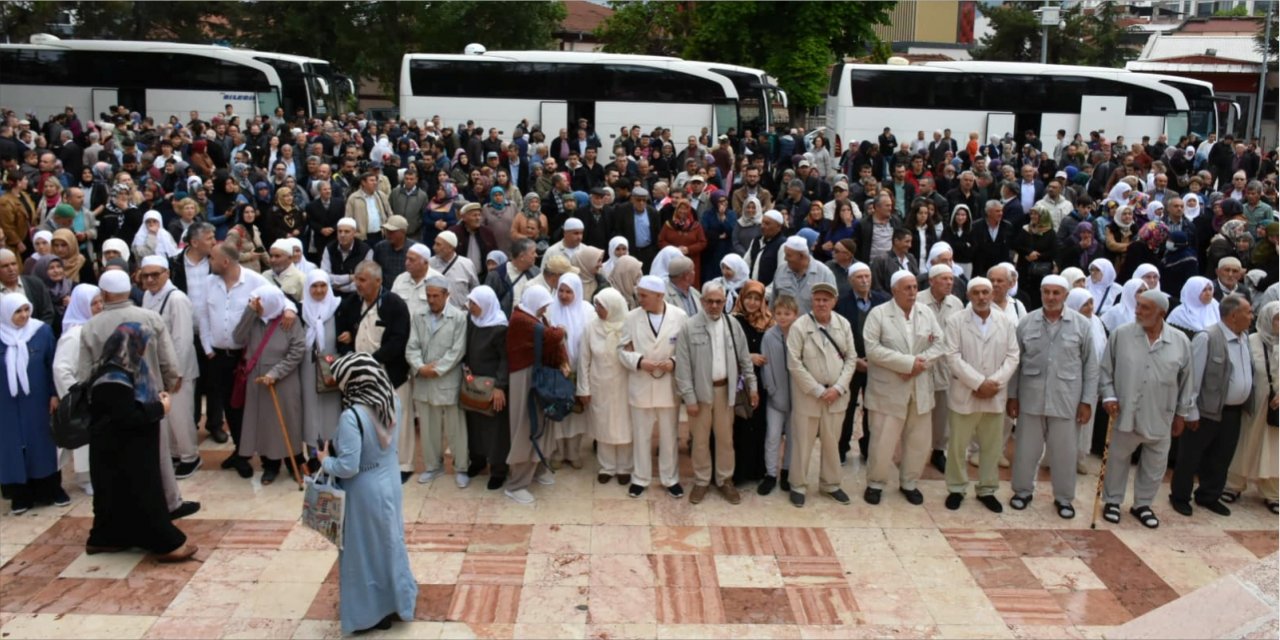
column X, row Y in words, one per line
column 339, row 293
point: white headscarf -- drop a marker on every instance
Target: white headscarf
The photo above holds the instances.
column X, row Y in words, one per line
column 1146, row 269
column 491, row 314
column 534, row 299
column 1119, row 195
column 1126, row 311
column 1193, row 314
column 611, row 260
column 16, row 356
column 1105, row 290
column 272, row 299
column 316, row 313
column 80, row 310
column 750, row 220
column 663, row 262
column 615, row 306
column 118, row 245
column 573, row 317
column 1076, row 300
column 165, row 246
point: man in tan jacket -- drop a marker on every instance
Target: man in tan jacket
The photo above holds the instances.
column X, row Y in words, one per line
column 903, row 342
column 821, row 360
column 982, row 354
column 369, row 207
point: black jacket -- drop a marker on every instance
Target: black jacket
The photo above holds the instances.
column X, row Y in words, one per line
column 38, row 294
column 320, row 217
column 393, row 315
column 988, row 253
column 624, row 224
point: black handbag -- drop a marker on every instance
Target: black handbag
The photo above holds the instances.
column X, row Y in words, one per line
column 1272, row 418
column 742, row 399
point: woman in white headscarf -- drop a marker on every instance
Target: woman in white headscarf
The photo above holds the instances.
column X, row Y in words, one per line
column 618, row 247
column 1080, row 301
column 1119, row 195
column 28, row 457
column 320, row 410
column 528, row 447
column 1256, row 459
column 570, row 312
column 86, row 302
column 488, row 436
column 748, row 227
column 1102, row 285
column 1149, row 274
column 734, row 273
column 599, row 375
column 1197, row 310
column 277, row 367
column 1124, row 312
column 114, row 248
column 152, row 238
column 663, row 261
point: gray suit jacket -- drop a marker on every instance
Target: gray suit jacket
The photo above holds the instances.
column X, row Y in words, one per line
column 1055, row 376
column 444, row 347
column 694, row 358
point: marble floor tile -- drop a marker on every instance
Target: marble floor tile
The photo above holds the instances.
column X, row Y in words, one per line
column 557, row 570
column 748, row 571
column 557, row 631
column 622, row 631
column 622, row 571
column 499, row 538
column 560, row 538
column 256, row 534
column 626, row 605
column 324, row 606
column 803, row 571
column 299, row 565
column 251, row 628
column 620, row 539
column 619, row 510
column 892, row 606
column 17, row 592
column 920, row 542
column 423, row 536
column 1094, row 607
column 166, row 628
column 1063, row 574
column 743, row 541
column 65, row 531
column 492, row 569
column 684, row 571
column 1027, row 606
column 105, row 566
column 78, row 626
column 757, row 605
column 677, row 605
column 859, row 541
column 680, row 540
column 280, row 600
column 968, row 543
column 959, row 605
column 823, row 605
column 736, row 631
column 38, row 560
column 1037, row 543
column 485, row 604
column 434, row 602
column 234, row 565
column 554, row 605
column 1260, row 543
column 974, row 631
column 1002, row 572
column 435, row 567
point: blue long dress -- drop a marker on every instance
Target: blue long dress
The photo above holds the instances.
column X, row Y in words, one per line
column 373, row 567
column 27, row 452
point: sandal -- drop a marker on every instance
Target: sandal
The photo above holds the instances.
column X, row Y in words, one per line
column 1111, row 513
column 1020, row 502
column 1230, row 497
column 1065, row 511
column 1145, row 516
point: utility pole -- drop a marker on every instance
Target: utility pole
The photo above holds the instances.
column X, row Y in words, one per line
column 1262, row 76
column 1049, row 17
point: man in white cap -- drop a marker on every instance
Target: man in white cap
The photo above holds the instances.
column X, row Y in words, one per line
column 647, row 350
column 681, row 290
column 1051, row 395
column 161, row 360
column 941, row 253
column 763, row 251
column 411, row 285
column 1230, row 279
column 940, row 300
column 473, row 238
column 456, row 268
column 341, row 257
column 1147, row 384
column 798, row 273
column 904, row 341
column 854, row 307
column 821, row 361
column 712, row 360
column 982, row 356
column 174, row 307
column 568, row 246
column 283, row 273
column 437, row 339
column 393, row 250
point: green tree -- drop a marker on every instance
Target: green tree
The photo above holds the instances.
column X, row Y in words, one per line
column 749, row 34
column 117, row 19
column 1094, row 38
column 1260, row 42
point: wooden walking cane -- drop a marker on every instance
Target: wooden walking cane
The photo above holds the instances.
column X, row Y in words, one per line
column 293, row 460
column 1102, row 473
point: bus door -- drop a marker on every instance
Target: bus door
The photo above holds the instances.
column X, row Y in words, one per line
column 725, row 116
column 104, row 100
column 1104, row 114
column 134, row 99
column 998, row 124
column 553, row 115
column 577, row 111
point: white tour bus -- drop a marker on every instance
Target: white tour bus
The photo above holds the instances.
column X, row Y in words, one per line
column 160, row 79
column 555, row 88
column 995, row 98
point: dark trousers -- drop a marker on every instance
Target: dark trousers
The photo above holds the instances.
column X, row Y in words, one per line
column 218, row 392
column 846, row 429
column 197, row 403
column 1206, row 453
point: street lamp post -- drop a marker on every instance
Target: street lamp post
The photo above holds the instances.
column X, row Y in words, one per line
column 1049, row 17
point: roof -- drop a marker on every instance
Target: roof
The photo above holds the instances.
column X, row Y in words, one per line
column 1222, row 24
column 1190, row 54
column 583, row 17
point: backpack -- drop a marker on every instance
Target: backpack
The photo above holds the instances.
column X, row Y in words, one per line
column 70, row 423
column 550, row 394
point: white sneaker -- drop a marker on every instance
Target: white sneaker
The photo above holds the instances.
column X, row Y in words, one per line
column 973, row 459
column 463, row 480
column 547, row 479
column 427, row 476
column 521, row 496
column 1004, row 463
column 87, row 488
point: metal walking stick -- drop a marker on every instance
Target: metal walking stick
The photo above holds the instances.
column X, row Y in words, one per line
column 293, row 460
column 1102, row 474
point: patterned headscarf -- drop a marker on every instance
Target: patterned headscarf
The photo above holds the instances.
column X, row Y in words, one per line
column 1153, row 234
column 362, row 380
column 762, row 318
column 124, row 361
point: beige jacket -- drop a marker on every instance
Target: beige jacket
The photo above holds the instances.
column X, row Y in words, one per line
column 973, row 358
column 892, row 350
column 815, row 364
column 639, row 341
column 359, row 211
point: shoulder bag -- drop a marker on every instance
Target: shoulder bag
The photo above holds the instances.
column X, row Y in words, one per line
column 742, row 400
column 550, row 394
column 324, row 372
column 240, row 378
column 476, row 395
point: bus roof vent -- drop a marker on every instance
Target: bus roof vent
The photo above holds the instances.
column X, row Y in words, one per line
column 898, row 61
column 44, row 38
column 475, row 49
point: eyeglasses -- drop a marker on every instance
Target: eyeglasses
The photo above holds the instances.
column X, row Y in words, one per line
column 150, row 276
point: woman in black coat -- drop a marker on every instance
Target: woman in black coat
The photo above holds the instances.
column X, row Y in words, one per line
column 488, row 437
column 752, row 314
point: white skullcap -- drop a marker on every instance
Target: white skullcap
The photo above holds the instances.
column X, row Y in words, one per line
column 1230, row 261
column 939, row 269
column 858, row 266
column 574, row 224
column 979, row 281
column 1073, row 274
column 1156, row 296
column 348, row 222
column 450, row 238
column 420, row 249
column 115, row 281
column 1055, row 280
column 774, row 216
column 44, row 234
column 155, row 261
column 938, row 249
column 282, row 244
column 652, row 283
column 899, row 276
column 797, row 243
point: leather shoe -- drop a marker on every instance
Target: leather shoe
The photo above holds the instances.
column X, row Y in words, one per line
column 218, row 435
column 992, row 503
column 767, row 485
column 185, row 509
column 1183, row 507
column 797, row 499
column 872, row 496
column 698, row 494
column 603, row 478
column 913, row 496
column 1215, row 506
column 624, row 479
column 954, row 500
column 730, row 493
column 939, row 460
